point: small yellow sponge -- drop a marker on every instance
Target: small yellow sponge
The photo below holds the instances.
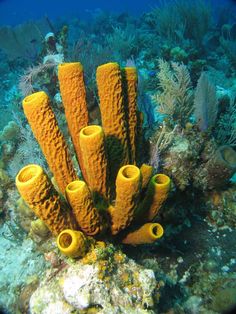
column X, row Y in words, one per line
column 148, row 233
column 38, row 192
column 72, row 243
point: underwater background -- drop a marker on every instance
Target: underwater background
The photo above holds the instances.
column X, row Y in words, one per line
column 117, row 156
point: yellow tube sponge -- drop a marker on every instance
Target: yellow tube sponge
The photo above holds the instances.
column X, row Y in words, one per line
column 45, row 128
column 156, row 195
column 128, row 184
column 109, row 82
column 92, row 145
column 87, row 216
column 146, row 172
column 130, row 83
column 37, row 191
column 148, row 233
column 73, row 93
column 72, row 243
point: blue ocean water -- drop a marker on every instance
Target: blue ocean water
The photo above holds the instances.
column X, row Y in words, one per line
column 11, row 12
column 159, row 77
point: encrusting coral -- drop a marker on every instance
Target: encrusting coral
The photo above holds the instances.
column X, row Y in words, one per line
column 115, row 191
column 109, row 282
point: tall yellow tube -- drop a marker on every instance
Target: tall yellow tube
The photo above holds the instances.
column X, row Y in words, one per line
column 109, row 82
column 37, row 191
column 44, row 125
column 73, row 93
column 130, row 84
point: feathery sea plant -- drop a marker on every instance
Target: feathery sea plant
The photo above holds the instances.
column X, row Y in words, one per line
column 167, row 22
column 196, row 16
column 182, row 19
column 27, row 81
column 28, row 150
column 229, row 46
column 122, row 41
column 174, row 97
column 226, row 125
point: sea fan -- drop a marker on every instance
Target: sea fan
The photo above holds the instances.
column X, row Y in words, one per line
column 205, row 103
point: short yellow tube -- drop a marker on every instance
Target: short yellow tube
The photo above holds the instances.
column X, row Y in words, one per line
column 86, row 214
column 148, row 233
column 157, row 193
column 146, row 172
column 92, row 143
column 128, row 184
column 38, row 192
column 72, row 243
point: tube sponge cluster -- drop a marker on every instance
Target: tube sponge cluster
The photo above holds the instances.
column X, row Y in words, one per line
column 115, row 195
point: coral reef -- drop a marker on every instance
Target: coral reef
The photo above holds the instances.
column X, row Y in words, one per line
column 222, row 207
column 110, row 283
column 188, row 144
column 181, row 58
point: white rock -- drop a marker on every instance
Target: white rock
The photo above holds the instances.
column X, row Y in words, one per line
column 55, row 58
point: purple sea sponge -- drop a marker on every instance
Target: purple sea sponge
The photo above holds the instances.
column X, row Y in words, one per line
column 217, row 170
